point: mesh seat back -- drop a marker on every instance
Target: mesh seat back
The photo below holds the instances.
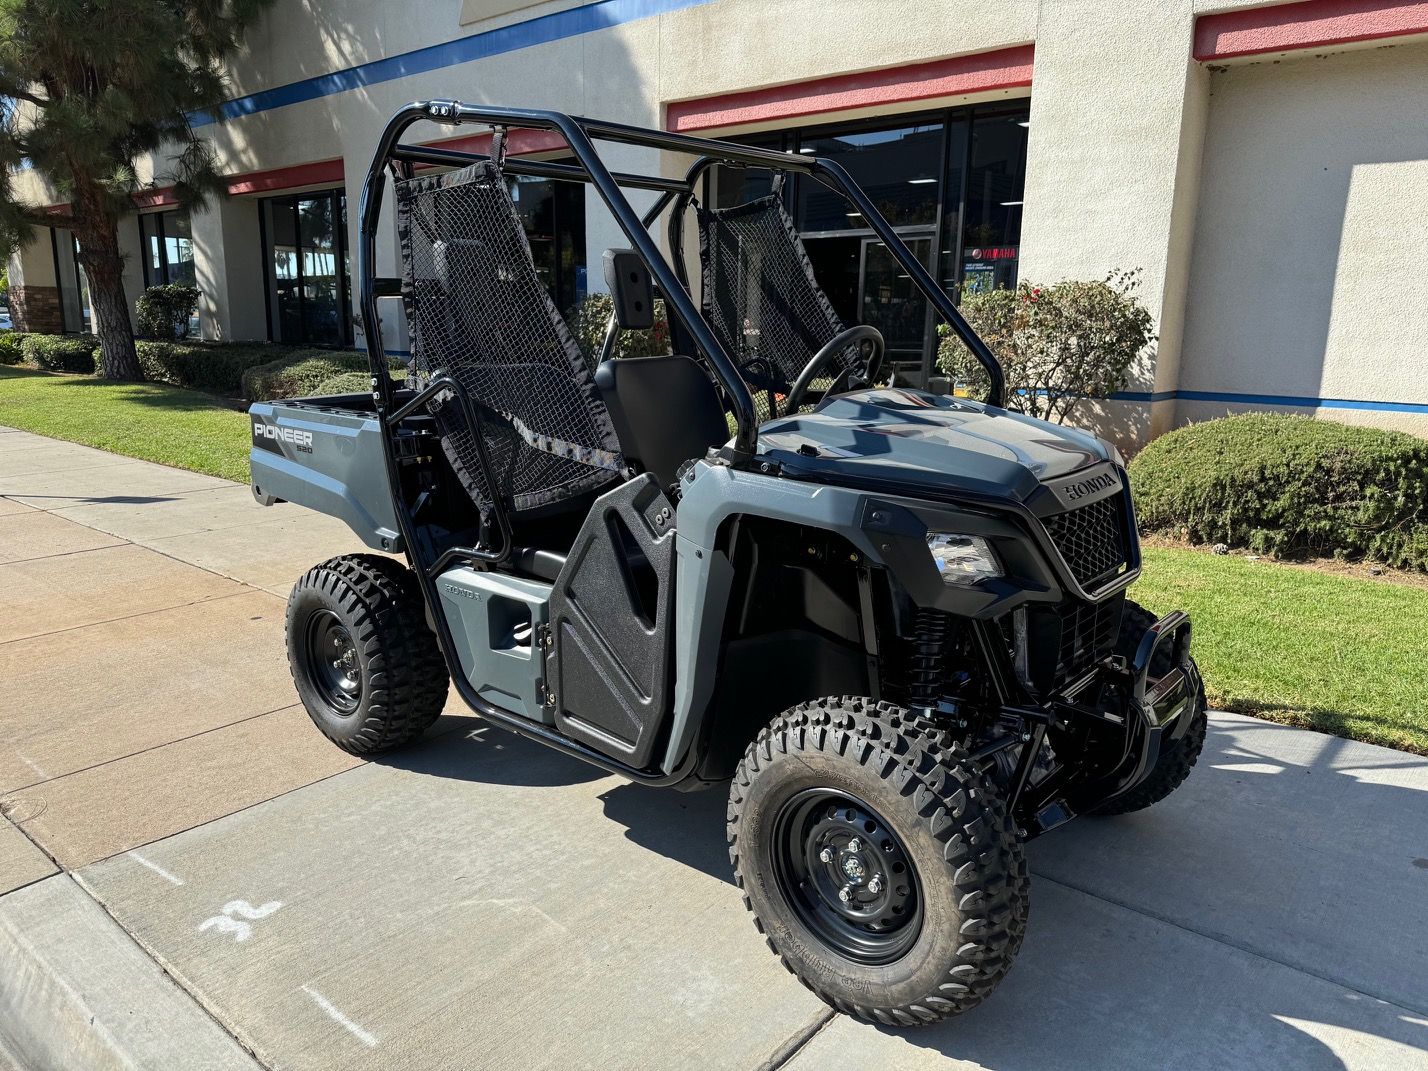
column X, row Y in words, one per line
column 479, row 313
column 761, row 296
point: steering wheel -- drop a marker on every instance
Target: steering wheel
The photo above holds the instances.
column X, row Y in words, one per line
column 833, row 348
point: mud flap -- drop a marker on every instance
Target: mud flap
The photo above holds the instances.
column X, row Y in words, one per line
column 610, row 664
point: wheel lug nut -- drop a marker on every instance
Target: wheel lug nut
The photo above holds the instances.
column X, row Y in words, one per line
column 845, row 894
column 875, row 886
column 855, row 845
column 826, row 855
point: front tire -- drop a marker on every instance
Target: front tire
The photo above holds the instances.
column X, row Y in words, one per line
column 366, row 667
column 881, row 866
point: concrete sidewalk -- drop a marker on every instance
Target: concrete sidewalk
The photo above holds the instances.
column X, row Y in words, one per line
column 194, row 877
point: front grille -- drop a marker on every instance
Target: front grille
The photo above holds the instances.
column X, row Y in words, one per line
column 1091, row 539
column 1088, row 634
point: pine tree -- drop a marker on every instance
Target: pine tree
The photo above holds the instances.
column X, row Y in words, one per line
column 88, row 88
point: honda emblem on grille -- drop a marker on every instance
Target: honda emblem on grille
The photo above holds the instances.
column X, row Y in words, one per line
column 1074, row 491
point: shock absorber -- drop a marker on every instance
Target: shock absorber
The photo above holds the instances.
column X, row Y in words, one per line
column 927, row 662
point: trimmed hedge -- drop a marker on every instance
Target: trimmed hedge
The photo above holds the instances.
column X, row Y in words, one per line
column 345, row 383
column 60, row 353
column 214, row 367
column 302, row 374
column 11, row 347
column 1289, row 486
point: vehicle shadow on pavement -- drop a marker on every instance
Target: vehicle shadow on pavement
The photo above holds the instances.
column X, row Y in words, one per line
column 465, row 748
column 687, row 827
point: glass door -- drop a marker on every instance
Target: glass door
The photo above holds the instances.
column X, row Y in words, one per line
column 307, row 269
column 892, row 302
column 320, row 287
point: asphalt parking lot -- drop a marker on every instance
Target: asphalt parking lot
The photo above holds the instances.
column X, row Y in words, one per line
column 193, row 877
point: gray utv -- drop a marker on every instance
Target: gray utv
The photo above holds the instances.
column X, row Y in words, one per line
column 894, row 623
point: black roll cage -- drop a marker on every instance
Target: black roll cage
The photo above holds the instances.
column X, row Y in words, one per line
column 580, row 135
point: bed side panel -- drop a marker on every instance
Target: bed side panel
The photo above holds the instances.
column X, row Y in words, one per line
column 328, row 460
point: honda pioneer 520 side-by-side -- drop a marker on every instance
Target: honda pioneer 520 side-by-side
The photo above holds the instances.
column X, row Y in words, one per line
column 894, row 623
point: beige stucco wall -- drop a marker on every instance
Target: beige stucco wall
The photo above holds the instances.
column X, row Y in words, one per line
column 1308, row 271
column 1271, row 206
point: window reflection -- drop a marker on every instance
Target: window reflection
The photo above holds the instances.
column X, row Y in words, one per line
column 308, row 268
column 168, row 248
column 996, row 174
column 75, row 311
column 950, row 183
column 899, row 169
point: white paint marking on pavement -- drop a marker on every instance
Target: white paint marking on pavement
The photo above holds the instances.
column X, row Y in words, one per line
column 32, row 764
column 241, row 931
column 340, row 1019
column 160, row 871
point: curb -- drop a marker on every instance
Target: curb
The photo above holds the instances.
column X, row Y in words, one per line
column 77, row 991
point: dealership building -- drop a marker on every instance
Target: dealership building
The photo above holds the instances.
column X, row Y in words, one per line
column 1264, row 166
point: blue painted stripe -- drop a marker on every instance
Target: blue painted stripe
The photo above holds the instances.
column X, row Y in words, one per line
column 557, row 26
column 1419, row 408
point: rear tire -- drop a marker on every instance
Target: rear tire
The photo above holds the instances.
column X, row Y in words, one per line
column 1176, row 758
column 935, row 829
column 366, row 666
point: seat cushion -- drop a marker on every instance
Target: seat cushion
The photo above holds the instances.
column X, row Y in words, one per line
column 665, row 411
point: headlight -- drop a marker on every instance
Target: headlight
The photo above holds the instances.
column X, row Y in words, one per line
column 963, row 559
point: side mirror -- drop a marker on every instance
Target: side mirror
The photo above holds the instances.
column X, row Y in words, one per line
column 631, row 289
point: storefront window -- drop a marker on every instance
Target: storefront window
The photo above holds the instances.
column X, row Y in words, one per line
column 898, row 169
column 168, row 248
column 306, row 262
column 553, row 215
column 950, row 183
column 996, row 176
column 75, row 311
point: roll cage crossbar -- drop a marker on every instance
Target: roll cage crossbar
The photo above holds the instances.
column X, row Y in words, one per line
column 580, row 134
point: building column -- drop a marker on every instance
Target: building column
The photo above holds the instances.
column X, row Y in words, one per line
column 1118, row 114
column 228, row 269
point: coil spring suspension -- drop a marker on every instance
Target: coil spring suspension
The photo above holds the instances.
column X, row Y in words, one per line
column 927, row 663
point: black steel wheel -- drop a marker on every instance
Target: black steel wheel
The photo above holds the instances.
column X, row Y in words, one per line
column 366, row 667
column 878, row 861
column 330, row 660
column 845, row 873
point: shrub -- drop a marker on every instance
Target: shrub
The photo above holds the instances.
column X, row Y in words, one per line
column 11, row 347
column 214, row 367
column 1289, row 485
column 60, row 353
column 164, row 311
column 302, row 373
column 588, row 322
column 1056, row 344
column 345, row 383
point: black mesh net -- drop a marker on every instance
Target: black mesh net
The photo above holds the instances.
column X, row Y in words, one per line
column 760, row 295
column 479, row 313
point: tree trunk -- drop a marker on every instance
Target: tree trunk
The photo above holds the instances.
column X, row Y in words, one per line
column 104, row 268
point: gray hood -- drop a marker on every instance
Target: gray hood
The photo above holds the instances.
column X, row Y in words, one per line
column 898, row 438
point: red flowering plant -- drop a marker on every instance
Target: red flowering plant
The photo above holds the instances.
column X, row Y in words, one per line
column 1056, row 344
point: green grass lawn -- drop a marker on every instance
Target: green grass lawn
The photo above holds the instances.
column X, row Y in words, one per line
column 1343, row 655
column 152, row 421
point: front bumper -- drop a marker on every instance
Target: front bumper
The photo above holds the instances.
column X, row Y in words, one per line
column 1135, row 714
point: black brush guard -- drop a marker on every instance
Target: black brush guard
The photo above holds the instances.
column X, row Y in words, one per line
column 1146, row 713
